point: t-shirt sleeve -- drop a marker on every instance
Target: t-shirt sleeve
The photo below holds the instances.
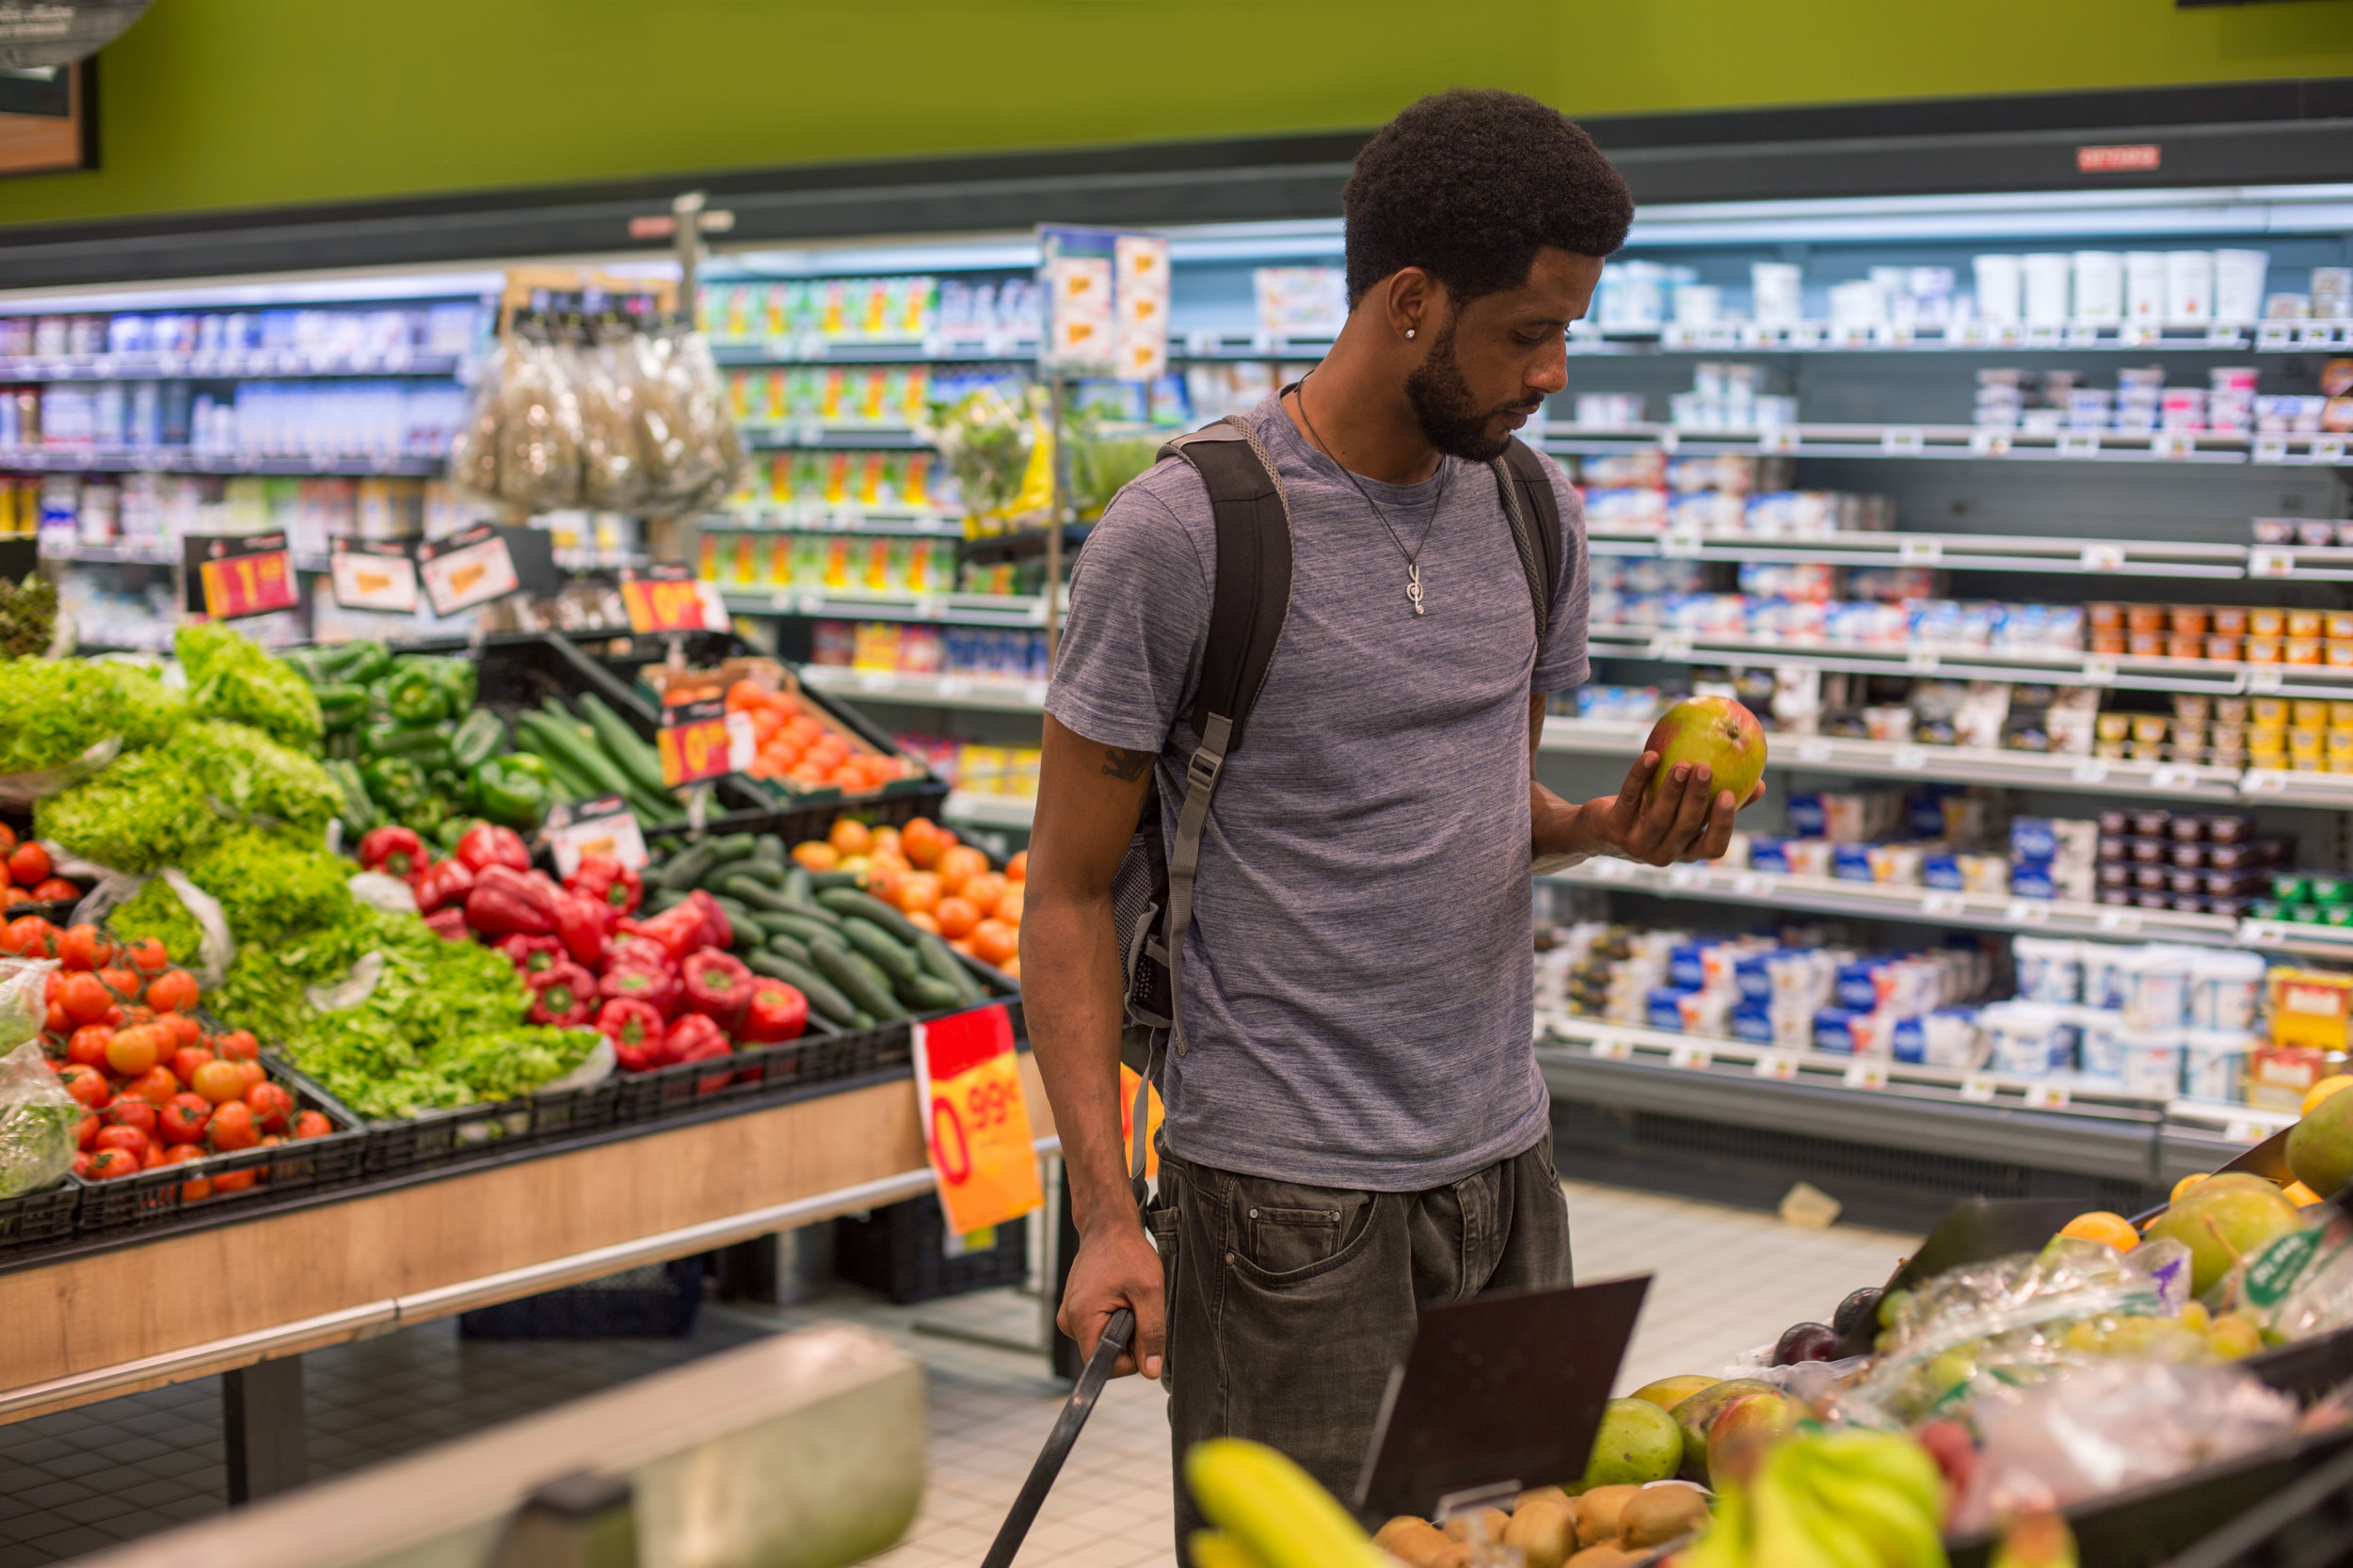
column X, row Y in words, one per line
column 1138, row 617
column 1561, row 666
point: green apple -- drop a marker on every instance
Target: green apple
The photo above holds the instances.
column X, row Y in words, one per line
column 1714, row 731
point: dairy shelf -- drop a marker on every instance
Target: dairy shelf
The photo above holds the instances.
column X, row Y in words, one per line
column 899, row 351
column 863, row 438
column 171, row 461
column 943, row 691
column 2019, row 770
column 1004, row 610
column 980, row 810
column 2310, row 941
column 1967, row 442
column 1962, row 552
column 822, row 519
column 225, row 367
column 2217, row 677
column 1979, row 337
column 1886, row 901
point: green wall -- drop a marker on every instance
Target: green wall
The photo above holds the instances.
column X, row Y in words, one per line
column 210, row 104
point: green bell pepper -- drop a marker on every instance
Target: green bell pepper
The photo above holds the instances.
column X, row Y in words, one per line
column 415, row 698
column 357, row 664
column 446, row 836
column 428, row 745
column 513, row 791
column 396, row 784
column 478, row 736
column 309, row 663
column 341, row 706
column 358, row 813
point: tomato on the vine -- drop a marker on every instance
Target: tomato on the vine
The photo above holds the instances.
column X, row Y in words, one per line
column 186, row 1060
column 89, row 1044
column 156, row 1084
column 190, row 1191
column 107, row 1164
column 147, row 956
column 182, row 1119
column 134, row 1050
column 311, row 1124
column 30, row 936
column 231, row 1126
column 184, row 1031
column 119, row 1136
column 272, row 1106
column 238, row 1045
column 84, row 996
column 28, row 863
column 122, row 982
column 172, row 991
column 84, row 1083
column 85, row 947
column 86, row 1130
column 129, row 1111
column 220, row 1081
column 56, row 891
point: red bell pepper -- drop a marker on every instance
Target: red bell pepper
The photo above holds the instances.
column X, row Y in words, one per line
column 778, row 1012
column 628, row 949
column 486, row 844
column 718, row 932
column 564, row 996
column 697, row 1038
column 532, row 955
column 608, row 882
column 442, row 883
column 580, row 924
column 656, row 987
column 718, row 986
column 505, row 900
column 450, row 924
column 680, row 928
column 393, row 851
column 636, row 1031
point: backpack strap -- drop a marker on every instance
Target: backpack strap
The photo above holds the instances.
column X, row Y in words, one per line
column 1534, row 512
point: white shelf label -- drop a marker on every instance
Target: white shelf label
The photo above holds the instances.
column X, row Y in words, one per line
column 1669, row 441
column 2265, row 679
column 1776, row 1065
column 2027, row 911
column 1749, row 884
column 2172, row 444
column 1921, row 661
column 1816, row 750
column 2174, row 778
column 1903, row 442
column 2262, row 782
column 2046, row 334
column 2119, row 920
column 2269, row 449
column 2274, row 334
column 2079, row 443
column 2245, row 1132
column 1610, row 1047
column 2091, row 770
column 1866, row 1074
column 1988, row 444
column 2269, row 560
column 2099, row 672
column 2262, row 933
column 1942, row 904
column 1694, row 1057
column 1909, row 758
column 1777, row 439
column 1682, row 543
column 2046, row 1096
column 1684, row 877
column 2103, row 557
column 2327, row 449
column 1922, row 550
column 2135, row 334
column 1671, row 644
column 1978, row 1089
column 875, row 680
column 955, row 685
column 2225, row 335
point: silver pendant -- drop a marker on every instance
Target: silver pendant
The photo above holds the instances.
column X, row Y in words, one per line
column 1413, row 585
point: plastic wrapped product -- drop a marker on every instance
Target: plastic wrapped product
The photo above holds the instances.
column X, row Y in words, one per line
column 2049, row 968
column 38, row 1119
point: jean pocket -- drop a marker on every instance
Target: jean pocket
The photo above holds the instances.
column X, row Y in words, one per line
column 1298, row 1240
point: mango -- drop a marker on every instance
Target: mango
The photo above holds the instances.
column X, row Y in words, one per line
column 2320, row 1147
column 2228, row 1217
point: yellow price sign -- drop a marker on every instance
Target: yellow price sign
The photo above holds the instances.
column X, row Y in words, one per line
column 976, row 1124
column 701, row 740
column 659, row 605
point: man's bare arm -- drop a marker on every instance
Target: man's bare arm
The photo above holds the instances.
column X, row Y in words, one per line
column 1685, row 820
column 1088, row 797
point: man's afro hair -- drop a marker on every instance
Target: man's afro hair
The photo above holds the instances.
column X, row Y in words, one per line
column 1468, row 184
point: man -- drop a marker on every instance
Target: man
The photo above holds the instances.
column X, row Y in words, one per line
column 1356, row 1126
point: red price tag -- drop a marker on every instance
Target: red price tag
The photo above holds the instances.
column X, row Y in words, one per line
column 255, row 585
column 658, row 605
column 702, row 739
column 976, row 1125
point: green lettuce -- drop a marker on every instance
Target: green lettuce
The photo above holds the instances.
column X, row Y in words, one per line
column 52, row 711
column 230, row 676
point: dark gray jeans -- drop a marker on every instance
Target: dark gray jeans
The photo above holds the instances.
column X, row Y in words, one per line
column 1288, row 1304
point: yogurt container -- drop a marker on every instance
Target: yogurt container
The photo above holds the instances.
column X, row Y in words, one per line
column 2214, row 1064
column 2223, row 990
column 2026, row 1039
column 2153, row 986
column 2150, row 1061
column 2050, row 969
column 2102, row 1034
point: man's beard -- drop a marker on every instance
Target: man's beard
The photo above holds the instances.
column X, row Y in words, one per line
column 1443, row 407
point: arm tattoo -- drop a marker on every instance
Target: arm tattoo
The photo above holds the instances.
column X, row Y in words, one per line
column 1126, row 766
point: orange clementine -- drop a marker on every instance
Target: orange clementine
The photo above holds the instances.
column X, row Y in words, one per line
column 882, row 882
column 889, row 860
column 2325, row 1087
column 1017, row 868
column 962, row 946
column 2185, row 1185
column 994, row 941
column 849, row 835
column 2299, row 1194
column 2112, row 1230
column 1010, row 967
column 920, row 842
column 816, row 855
column 921, row 919
column 982, row 890
column 957, row 918
column 887, row 840
column 1009, row 907
column 958, row 865
column 919, row 891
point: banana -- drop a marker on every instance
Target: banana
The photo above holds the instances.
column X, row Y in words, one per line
column 1779, row 1535
column 1215, row 1549
column 1895, row 1462
column 1274, row 1509
column 1889, row 1521
column 1839, row 1541
column 1725, row 1542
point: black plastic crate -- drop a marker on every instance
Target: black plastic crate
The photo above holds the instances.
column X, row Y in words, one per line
column 824, row 1055
column 2308, row 1524
column 470, row 1132
column 900, row 1251
column 166, row 1193
column 657, row 1301
column 30, row 1219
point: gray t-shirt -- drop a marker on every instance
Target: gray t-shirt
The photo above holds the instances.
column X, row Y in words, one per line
column 1357, row 980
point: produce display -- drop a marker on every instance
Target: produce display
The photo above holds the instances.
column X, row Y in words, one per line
column 938, row 886
column 798, row 743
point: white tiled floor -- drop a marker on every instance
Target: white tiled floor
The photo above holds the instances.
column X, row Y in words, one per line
column 1726, row 1279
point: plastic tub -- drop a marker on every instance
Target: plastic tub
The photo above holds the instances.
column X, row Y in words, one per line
column 2152, row 987
column 2149, row 1060
column 2050, row 969
column 2224, row 988
column 2213, row 1063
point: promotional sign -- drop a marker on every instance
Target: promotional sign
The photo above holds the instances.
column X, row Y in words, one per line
column 702, row 739
column 469, row 568
column 231, row 576
column 1140, row 306
column 662, row 602
column 368, row 575
column 976, row 1125
column 605, row 825
column 1106, row 295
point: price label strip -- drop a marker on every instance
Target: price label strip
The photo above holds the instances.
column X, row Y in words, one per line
column 658, row 606
column 234, row 576
column 467, row 569
column 604, row 827
column 702, row 739
column 976, row 1124
column 381, row 577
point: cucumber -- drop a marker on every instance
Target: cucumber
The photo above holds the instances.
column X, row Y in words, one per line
column 736, row 911
column 660, row 897
column 875, row 973
column 822, row 880
column 688, row 869
column 866, row 1019
column 877, row 944
column 823, row 999
column 941, row 963
column 771, row 850
column 788, row 947
column 845, row 902
column 858, row 981
column 754, row 891
column 797, row 886
column 926, row 995
column 561, row 738
column 802, row 928
column 621, row 743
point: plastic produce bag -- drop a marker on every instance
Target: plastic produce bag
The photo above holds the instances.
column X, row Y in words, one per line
column 24, row 789
column 38, row 1117
column 2301, row 1285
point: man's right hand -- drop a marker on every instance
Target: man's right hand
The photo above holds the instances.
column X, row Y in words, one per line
column 1117, row 1266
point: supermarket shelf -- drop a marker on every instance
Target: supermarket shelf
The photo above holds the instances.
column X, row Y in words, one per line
column 2330, row 791
column 943, row 691
column 1821, row 337
column 204, row 367
column 950, row 609
column 900, row 351
column 1964, row 441
column 2304, row 563
column 864, row 437
column 2199, row 1136
column 839, row 519
column 1013, row 812
column 2315, row 941
column 179, row 460
column 2022, row 770
column 1902, row 901
column 1959, row 552
column 2219, row 677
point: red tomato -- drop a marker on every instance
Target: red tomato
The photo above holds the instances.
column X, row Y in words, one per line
column 89, row 1044
column 184, row 1031
column 155, row 1085
column 85, row 947
column 312, row 1124
column 86, row 1131
column 182, row 1119
column 147, row 956
column 272, row 1107
column 254, row 1072
column 84, row 996
column 107, row 1164
column 134, row 1050
column 219, row 1081
column 231, row 1126
column 84, row 1083
column 81, row 1165
column 186, row 1060
column 28, row 864
column 151, row 1156
column 238, row 1045
column 129, row 1111
column 30, row 937
column 190, row 1191
column 56, row 891
column 172, row 991
column 234, row 1181
column 57, row 1020
column 7, row 838
column 123, row 983
column 9, row 897
column 126, row 1138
